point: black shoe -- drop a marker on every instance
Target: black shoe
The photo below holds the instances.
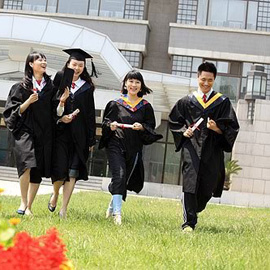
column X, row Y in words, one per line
column 20, row 212
column 50, row 207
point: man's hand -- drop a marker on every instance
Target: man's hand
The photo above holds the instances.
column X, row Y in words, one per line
column 137, row 126
column 211, row 124
column 113, row 126
column 188, row 133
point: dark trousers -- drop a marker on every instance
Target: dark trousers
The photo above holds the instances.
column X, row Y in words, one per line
column 117, row 164
column 193, row 204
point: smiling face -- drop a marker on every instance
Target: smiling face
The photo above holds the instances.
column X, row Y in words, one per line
column 39, row 66
column 206, row 81
column 133, row 86
column 78, row 67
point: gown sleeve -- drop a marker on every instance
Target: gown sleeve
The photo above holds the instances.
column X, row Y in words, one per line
column 229, row 126
column 148, row 135
column 107, row 120
column 92, row 120
column 177, row 124
column 12, row 116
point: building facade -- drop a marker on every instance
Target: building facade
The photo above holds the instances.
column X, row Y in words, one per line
column 167, row 40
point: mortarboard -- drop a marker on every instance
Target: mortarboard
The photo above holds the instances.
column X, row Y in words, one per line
column 81, row 55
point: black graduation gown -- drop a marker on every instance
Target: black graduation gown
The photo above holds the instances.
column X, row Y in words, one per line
column 78, row 135
column 33, row 129
column 202, row 155
column 130, row 142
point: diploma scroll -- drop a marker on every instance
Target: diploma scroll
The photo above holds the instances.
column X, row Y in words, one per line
column 124, row 125
column 196, row 125
column 75, row 113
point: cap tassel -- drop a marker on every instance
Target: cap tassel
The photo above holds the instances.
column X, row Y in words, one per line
column 94, row 71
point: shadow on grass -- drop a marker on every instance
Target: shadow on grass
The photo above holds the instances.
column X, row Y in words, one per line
column 219, row 230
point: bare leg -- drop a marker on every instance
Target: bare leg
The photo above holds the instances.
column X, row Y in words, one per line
column 33, row 189
column 24, row 185
column 56, row 187
column 67, row 191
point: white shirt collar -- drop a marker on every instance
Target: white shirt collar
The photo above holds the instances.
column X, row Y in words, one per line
column 36, row 86
column 199, row 91
column 78, row 84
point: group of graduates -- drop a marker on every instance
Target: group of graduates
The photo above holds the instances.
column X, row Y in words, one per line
column 54, row 131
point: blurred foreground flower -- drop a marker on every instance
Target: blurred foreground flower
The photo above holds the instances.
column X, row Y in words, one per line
column 14, row 221
column 46, row 252
column 1, row 190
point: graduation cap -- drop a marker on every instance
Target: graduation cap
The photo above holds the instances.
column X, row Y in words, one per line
column 81, row 55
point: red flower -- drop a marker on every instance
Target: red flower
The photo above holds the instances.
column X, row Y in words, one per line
column 46, row 252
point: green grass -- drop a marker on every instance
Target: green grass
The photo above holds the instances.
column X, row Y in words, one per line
column 150, row 237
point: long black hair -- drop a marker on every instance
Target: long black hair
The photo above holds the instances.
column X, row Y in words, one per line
column 134, row 74
column 28, row 70
column 85, row 74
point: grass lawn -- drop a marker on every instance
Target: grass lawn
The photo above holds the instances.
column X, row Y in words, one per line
column 150, row 237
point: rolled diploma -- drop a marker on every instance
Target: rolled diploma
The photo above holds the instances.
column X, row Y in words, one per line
column 197, row 124
column 124, row 125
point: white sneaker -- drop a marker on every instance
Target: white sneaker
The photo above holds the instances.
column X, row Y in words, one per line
column 117, row 219
column 109, row 212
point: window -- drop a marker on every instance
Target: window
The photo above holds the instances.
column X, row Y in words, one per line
column 112, row 8
column 73, row 7
column 134, row 9
column 12, row 4
column 182, row 65
column 226, row 13
column 187, row 11
column 36, row 5
column 264, row 16
column 134, row 58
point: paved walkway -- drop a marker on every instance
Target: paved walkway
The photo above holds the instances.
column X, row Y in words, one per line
column 12, row 188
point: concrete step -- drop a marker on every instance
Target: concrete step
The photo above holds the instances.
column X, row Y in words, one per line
column 10, row 174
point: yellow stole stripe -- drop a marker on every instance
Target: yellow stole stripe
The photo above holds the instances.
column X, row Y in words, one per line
column 132, row 105
column 209, row 102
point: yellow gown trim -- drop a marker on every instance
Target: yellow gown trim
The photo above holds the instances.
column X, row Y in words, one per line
column 209, row 102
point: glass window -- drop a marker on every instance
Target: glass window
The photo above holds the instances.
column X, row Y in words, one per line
column 134, row 58
column 222, row 67
column 246, row 68
column 12, row 4
column 172, row 166
column 51, row 6
column 153, row 156
column 227, row 13
column 202, row 12
column 36, row 5
column 112, row 8
column 134, row 9
column 252, row 15
column 229, row 86
column 195, row 63
column 94, row 7
column 73, row 7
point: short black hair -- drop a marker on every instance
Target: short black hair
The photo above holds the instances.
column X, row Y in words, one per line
column 134, row 74
column 207, row 67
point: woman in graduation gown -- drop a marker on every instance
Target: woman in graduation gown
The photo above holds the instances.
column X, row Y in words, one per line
column 124, row 144
column 28, row 115
column 75, row 136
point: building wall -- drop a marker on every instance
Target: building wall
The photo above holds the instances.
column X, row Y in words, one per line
column 252, row 149
column 160, row 14
column 218, row 43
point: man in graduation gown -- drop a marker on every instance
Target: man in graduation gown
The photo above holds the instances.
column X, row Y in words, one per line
column 203, row 144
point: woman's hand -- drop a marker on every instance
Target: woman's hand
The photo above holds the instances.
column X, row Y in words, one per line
column 113, row 125
column 33, row 98
column 211, row 124
column 64, row 97
column 137, row 126
column 91, row 148
column 66, row 119
column 188, row 133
